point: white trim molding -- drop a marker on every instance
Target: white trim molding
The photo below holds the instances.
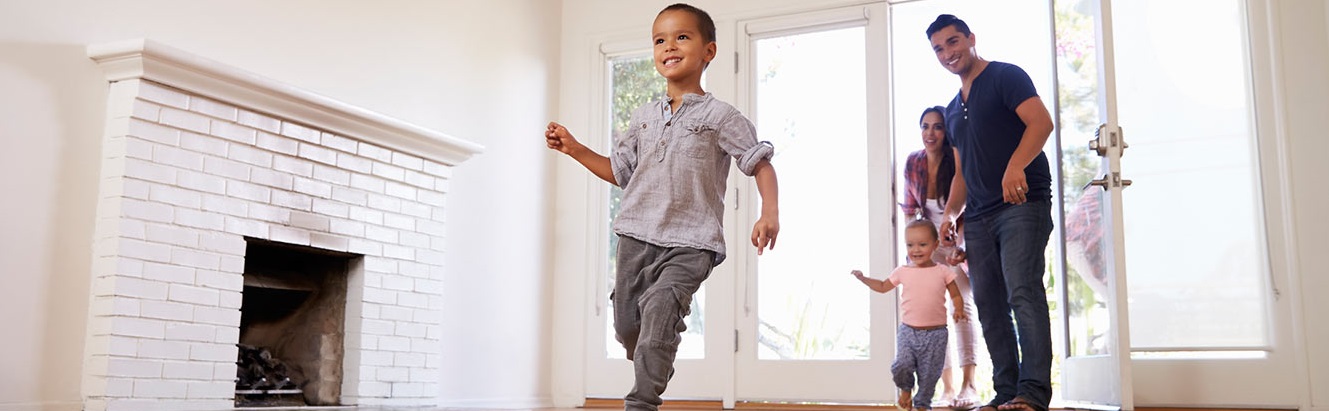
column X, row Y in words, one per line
column 151, row 60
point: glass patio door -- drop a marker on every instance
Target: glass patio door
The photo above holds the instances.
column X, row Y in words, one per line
column 1097, row 366
column 1200, row 324
column 1192, row 317
column 807, row 330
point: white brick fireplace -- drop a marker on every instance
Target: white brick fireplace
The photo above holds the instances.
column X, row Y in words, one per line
column 199, row 159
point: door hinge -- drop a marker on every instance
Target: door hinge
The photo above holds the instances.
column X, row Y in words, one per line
column 735, row 62
column 735, row 340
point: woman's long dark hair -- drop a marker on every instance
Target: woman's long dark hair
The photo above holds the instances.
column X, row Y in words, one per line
column 945, row 170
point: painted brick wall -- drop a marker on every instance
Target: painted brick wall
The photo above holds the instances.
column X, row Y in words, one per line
column 184, row 180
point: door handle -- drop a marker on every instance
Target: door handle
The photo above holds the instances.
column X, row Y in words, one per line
column 1115, row 137
column 1100, row 182
column 1095, row 146
column 1107, row 181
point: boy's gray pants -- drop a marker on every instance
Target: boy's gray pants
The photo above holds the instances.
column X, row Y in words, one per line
column 652, row 292
column 922, row 352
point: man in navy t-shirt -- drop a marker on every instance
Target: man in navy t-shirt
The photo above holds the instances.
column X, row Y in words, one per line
column 999, row 125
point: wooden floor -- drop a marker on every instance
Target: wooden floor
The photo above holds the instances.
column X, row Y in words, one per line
column 599, row 404
column 607, row 404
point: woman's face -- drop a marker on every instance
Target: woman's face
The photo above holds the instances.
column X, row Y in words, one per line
column 934, row 132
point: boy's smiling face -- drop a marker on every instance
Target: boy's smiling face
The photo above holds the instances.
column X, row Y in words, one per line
column 681, row 51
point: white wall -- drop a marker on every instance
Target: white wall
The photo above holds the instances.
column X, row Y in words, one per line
column 480, row 70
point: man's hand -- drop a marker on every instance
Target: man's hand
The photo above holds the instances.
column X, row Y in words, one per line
column 1014, row 188
column 947, row 232
column 956, row 257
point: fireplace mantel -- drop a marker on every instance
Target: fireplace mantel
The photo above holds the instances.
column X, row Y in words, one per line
column 201, row 159
column 151, row 60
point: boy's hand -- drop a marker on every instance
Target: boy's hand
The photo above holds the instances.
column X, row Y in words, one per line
column 558, row 138
column 857, row 274
column 764, row 232
column 959, row 315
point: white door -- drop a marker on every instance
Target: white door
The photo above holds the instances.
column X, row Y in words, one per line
column 808, row 331
column 1188, row 241
column 1097, row 367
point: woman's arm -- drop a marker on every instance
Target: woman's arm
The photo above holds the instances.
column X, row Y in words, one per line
column 911, row 203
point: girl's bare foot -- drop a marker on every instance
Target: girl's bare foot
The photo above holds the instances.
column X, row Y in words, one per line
column 905, row 401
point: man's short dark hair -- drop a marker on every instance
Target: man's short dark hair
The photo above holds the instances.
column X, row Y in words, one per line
column 704, row 22
column 946, row 20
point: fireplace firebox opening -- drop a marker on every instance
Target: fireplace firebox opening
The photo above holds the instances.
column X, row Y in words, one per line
column 292, row 325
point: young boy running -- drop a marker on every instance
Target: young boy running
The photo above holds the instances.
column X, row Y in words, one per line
column 672, row 165
column 920, row 341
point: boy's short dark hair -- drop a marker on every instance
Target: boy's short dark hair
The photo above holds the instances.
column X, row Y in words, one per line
column 704, row 23
column 945, row 20
column 924, row 223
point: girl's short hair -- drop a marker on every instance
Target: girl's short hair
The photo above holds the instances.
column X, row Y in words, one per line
column 932, row 229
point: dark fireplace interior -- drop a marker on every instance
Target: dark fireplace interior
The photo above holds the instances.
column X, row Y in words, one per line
column 291, row 325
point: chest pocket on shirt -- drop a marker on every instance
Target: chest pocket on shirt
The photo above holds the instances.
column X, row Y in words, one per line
column 698, row 140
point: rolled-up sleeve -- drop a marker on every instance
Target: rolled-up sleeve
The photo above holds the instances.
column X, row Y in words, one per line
column 623, row 159
column 738, row 137
column 747, row 163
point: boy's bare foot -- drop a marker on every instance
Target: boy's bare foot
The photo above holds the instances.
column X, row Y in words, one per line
column 905, row 401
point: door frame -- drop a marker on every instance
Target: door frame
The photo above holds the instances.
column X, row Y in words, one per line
column 1282, row 373
column 874, row 18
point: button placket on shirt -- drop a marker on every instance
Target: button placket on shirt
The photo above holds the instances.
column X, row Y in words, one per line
column 664, row 141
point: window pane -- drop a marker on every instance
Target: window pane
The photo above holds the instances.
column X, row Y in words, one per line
column 1087, row 249
column 634, row 82
column 811, row 105
column 1194, row 230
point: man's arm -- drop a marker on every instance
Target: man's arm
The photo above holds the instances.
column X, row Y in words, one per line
column 954, row 202
column 768, row 225
column 1037, row 128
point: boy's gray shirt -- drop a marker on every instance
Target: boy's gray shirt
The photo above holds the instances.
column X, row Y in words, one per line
column 673, row 170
